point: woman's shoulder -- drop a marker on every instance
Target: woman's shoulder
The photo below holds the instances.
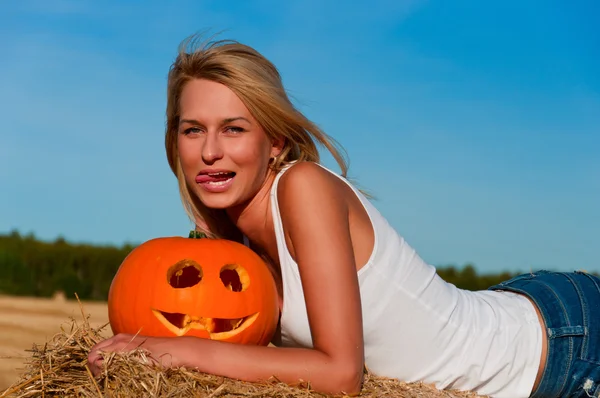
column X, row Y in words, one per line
column 309, row 179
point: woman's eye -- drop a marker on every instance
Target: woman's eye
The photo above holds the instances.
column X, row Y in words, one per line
column 234, row 130
column 191, row 130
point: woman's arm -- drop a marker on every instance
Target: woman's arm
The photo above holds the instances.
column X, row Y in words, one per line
column 315, row 215
column 315, row 218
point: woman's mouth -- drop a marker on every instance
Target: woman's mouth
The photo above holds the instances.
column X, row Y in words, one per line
column 215, row 181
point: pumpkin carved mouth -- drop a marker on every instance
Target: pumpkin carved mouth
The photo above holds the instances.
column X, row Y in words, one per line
column 217, row 328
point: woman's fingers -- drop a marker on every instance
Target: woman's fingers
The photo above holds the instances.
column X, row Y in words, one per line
column 120, row 342
column 95, row 358
column 95, row 362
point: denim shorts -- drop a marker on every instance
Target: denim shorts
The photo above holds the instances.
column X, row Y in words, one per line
column 570, row 305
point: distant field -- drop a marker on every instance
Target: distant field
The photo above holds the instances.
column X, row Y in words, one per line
column 25, row 321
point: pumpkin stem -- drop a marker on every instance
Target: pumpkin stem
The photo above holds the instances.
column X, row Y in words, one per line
column 197, row 234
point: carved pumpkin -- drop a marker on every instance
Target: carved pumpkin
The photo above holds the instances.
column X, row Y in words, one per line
column 208, row 288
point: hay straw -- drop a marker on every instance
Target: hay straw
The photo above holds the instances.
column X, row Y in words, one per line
column 59, row 368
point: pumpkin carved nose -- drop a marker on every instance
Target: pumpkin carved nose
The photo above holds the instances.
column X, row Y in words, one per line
column 185, row 273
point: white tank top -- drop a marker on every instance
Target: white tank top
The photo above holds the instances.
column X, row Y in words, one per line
column 417, row 327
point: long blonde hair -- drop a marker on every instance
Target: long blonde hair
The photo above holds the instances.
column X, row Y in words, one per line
column 257, row 82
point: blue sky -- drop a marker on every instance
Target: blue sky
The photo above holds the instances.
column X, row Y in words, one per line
column 475, row 124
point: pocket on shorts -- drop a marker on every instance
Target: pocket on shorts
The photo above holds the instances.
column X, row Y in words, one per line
column 588, row 289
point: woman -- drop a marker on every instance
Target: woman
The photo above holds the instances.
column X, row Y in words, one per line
column 353, row 292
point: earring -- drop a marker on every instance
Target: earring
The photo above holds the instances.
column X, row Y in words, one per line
column 272, row 161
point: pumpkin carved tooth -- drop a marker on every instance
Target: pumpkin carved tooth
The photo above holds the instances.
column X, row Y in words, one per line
column 180, row 324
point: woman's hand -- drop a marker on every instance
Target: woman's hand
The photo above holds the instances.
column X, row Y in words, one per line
column 160, row 350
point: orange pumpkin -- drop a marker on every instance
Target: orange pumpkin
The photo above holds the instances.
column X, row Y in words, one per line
column 208, row 288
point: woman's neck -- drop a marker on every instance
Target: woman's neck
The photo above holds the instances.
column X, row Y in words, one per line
column 254, row 218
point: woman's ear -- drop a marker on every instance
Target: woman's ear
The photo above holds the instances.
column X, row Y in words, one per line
column 277, row 146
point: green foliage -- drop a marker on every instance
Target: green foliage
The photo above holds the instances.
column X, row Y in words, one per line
column 467, row 278
column 32, row 267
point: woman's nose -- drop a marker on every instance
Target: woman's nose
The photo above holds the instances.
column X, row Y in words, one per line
column 211, row 150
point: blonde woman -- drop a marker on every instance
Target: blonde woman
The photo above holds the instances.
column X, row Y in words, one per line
column 352, row 292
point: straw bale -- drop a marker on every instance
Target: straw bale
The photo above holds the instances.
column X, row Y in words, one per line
column 59, row 368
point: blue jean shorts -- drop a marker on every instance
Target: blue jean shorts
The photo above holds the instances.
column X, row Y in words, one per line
column 570, row 306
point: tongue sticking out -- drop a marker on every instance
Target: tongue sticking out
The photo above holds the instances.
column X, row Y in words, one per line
column 206, row 178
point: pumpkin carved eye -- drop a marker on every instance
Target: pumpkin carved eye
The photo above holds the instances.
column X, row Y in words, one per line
column 235, row 277
column 185, row 273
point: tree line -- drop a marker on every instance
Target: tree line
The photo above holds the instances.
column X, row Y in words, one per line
column 33, row 267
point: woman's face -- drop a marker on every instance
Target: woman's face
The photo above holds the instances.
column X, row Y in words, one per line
column 223, row 150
